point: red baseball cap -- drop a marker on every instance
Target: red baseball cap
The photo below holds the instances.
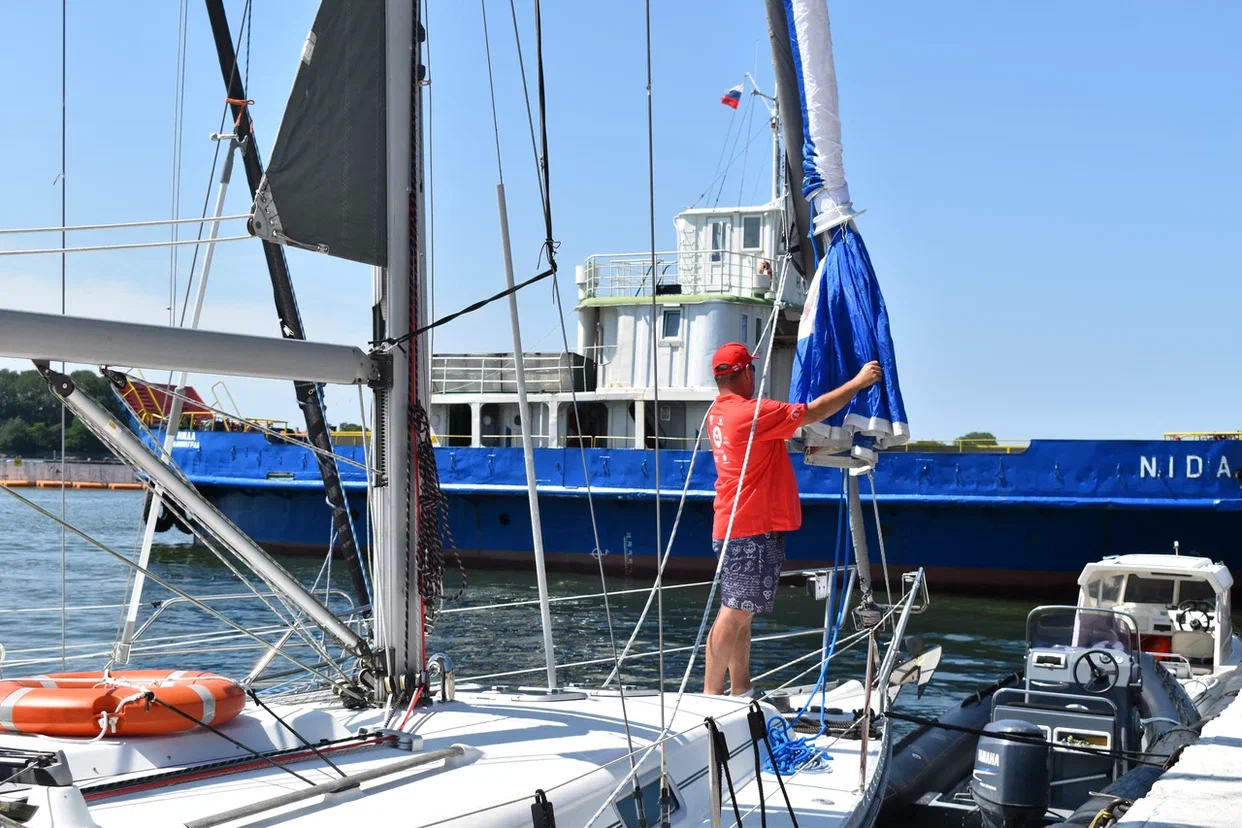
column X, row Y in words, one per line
column 730, row 358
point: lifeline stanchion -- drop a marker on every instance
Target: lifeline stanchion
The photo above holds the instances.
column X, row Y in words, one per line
column 865, row 731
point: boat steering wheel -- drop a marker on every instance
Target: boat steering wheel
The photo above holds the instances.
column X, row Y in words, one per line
column 1194, row 615
column 1096, row 671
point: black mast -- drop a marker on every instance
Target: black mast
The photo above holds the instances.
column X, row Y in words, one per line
column 309, row 394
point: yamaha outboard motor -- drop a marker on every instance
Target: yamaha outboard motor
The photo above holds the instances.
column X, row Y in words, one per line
column 1010, row 780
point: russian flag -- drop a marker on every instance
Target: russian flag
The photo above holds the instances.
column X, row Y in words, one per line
column 732, row 97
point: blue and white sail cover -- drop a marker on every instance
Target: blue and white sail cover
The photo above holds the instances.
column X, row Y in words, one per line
column 844, row 322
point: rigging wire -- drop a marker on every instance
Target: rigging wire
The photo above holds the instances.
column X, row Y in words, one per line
column 665, row 813
column 122, row 225
column 754, row 190
column 64, row 562
column 162, row 582
column 178, row 138
column 750, row 119
column 293, row 440
column 776, row 309
column 530, row 120
column 723, row 146
column 750, row 105
column 215, row 160
column 549, row 250
column 711, row 185
column 214, row 545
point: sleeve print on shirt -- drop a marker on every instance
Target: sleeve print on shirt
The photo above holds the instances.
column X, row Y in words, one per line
column 778, row 420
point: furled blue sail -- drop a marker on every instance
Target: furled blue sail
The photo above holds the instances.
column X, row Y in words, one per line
column 844, row 322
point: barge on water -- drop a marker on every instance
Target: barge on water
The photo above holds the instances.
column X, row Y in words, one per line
column 975, row 515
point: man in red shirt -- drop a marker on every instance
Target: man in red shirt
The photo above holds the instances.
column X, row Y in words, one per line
column 767, row 508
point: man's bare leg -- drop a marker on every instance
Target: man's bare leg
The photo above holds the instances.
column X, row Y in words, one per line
column 731, row 625
column 739, row 658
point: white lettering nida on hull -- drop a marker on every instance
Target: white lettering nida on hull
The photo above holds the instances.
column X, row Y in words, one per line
column 1150, row 467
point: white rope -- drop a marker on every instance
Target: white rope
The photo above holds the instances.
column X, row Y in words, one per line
column 138, row 246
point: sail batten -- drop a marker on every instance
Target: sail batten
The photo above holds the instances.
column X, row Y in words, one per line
column 326, row 185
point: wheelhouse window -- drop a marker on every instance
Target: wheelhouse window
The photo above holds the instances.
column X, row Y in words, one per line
column 720, row 239
column 671, row 323
column 745, row 326
column 752, row 232
column 1149, row 590
column 1196, row 591
column 1105, row 590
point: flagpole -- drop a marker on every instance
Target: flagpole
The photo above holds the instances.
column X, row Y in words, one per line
column 773, row 105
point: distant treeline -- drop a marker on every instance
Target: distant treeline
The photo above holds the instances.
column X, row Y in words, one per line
column 970, row 440
column 30, row 415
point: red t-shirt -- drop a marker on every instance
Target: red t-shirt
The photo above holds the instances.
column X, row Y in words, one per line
column 769, row 501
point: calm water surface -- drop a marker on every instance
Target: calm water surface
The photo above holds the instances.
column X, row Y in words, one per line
column 982, row 639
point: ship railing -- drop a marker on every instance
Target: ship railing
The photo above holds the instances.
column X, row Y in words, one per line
column 497, row 373
column 963, row 445
column 618, row 441
column 1203, row 435
column 599, row 441
column 689, row 272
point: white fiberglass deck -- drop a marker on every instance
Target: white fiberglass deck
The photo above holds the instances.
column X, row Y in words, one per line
column 575, row 750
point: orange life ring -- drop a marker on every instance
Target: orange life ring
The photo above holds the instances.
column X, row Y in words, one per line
column 88, row 704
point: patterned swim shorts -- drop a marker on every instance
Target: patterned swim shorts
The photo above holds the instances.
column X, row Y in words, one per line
column 751, row 571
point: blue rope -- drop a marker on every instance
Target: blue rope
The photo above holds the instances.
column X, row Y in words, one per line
column 790, row 754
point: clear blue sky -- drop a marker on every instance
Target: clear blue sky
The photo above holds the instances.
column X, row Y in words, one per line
column 1052, row 190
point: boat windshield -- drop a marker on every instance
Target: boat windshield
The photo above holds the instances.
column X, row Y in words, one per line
column 1082, row 628
column 1104, row 589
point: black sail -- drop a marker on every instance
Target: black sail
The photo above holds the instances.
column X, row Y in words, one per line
column 325, row 187
column 309, row 395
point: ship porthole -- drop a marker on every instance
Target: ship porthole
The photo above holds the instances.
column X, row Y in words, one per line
column 504, row 518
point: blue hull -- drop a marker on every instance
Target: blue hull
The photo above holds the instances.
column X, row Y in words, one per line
column 1029, row 518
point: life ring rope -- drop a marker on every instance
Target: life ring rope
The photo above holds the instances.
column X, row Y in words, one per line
column 95, row 705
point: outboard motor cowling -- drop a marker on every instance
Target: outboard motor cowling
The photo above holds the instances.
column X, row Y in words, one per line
column 1010, row 779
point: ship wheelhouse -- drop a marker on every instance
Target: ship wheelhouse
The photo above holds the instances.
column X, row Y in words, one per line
column 718, row 286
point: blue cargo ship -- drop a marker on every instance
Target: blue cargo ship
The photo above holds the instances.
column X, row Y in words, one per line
column 973, row 515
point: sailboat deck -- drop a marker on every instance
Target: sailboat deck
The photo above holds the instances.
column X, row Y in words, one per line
column 574, row 749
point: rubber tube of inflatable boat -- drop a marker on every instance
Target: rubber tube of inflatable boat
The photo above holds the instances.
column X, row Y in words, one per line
column 1136, row 783
column 933, row 758
column 1164, row 701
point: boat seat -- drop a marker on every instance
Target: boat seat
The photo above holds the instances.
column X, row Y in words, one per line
column 1192, row 644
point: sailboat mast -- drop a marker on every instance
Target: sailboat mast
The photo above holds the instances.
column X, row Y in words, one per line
column 309, row 395
column 400, row 303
